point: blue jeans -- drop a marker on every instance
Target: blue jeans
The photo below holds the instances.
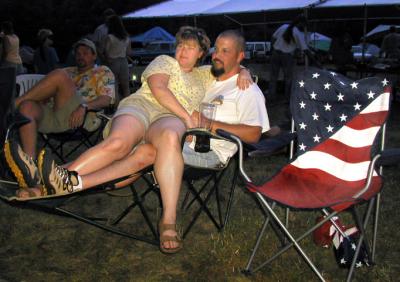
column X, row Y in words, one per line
column 286, row 62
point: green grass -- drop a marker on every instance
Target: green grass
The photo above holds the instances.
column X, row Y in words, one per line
column 40, row 246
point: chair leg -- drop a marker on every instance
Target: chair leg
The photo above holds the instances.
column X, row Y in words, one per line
column 362, row 227
column 258, row 241
column 106, row 227
column 231, row 194
column 203, row 207
column 185, row 206
column 377, row 208
column 293, row 241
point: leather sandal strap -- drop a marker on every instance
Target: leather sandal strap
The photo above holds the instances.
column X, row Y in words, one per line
column 164, row 227
column 168, row 238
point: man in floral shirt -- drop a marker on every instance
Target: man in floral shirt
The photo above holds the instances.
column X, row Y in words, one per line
column 72, row 92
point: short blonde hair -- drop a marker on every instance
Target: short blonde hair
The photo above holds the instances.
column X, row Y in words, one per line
column 194, row 33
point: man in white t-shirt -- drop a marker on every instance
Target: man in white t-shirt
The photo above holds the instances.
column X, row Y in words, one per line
column 241, row 112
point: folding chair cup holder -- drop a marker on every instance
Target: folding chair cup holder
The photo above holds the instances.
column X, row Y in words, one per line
column 339, row 125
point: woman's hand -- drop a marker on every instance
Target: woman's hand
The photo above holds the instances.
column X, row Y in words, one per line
column 244, row 79
column 195, row 118
column 190, row 122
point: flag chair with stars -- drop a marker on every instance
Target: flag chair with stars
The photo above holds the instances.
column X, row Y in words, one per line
column 337, row 165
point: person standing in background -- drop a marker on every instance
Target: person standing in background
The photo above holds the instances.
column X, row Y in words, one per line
column 45, row 58
column 100, row 34
column 116, row 48
column 285, row 40
column 391, row 44
column 340, row 50
column 11, row 57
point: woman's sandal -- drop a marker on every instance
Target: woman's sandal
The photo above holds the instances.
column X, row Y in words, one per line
column 162, row 227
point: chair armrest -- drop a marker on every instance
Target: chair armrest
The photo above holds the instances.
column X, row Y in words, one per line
column 268, row 146
column 389, row 157
column 227, row 135
column 265, row 146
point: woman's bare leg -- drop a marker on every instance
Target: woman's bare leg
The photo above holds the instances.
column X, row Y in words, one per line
column 142, row 157
column 126, row 131
column 165, row 135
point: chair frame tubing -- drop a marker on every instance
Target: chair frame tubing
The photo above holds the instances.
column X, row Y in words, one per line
column 111, row 224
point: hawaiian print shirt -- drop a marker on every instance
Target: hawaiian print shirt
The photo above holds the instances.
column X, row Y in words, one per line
column 97, row 81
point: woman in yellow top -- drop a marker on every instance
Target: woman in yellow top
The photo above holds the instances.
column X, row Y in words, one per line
column 158, row 114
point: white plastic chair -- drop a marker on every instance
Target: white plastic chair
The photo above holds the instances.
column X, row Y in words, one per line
column 27, row 81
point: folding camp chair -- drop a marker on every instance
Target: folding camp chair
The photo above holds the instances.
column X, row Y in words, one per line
column 73, row 205
column 65, row 144
column 61, row 143
column 210, row 177
column 7, row 94
column 339, row 124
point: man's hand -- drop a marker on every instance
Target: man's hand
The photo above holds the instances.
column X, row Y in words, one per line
column 77, row 117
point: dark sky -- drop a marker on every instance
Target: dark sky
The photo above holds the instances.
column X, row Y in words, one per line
column 68, row 19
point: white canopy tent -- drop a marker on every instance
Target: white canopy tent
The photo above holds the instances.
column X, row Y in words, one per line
column 379, row 31
column 235, row 6
column 349, row 3
column 175, row 8
column 181, row 8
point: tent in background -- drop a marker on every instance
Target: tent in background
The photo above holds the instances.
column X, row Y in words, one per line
column 154, row 34
column 379, row 31
column 175, row 8
column 319, row 41
column 182, row 8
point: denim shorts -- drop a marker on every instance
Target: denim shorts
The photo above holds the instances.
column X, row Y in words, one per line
column 202, row 160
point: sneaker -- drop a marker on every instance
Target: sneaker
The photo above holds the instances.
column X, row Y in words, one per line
column 56, row 179
column 23, row 166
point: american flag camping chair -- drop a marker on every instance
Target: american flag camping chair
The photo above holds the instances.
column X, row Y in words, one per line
column 337, row 122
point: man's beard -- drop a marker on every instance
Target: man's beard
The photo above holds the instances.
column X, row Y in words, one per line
column 80, row 64
column 217, row 72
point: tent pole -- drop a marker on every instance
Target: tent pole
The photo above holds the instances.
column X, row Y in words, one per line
column 364, row 33
column 306, row 63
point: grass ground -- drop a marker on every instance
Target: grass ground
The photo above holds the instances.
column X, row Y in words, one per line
column 39, row 246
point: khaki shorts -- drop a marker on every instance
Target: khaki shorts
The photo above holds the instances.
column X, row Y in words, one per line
column 142, row 109
column 58, row 121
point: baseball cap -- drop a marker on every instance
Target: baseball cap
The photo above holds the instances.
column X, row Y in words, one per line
column 44, row 33
column 85, row 42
